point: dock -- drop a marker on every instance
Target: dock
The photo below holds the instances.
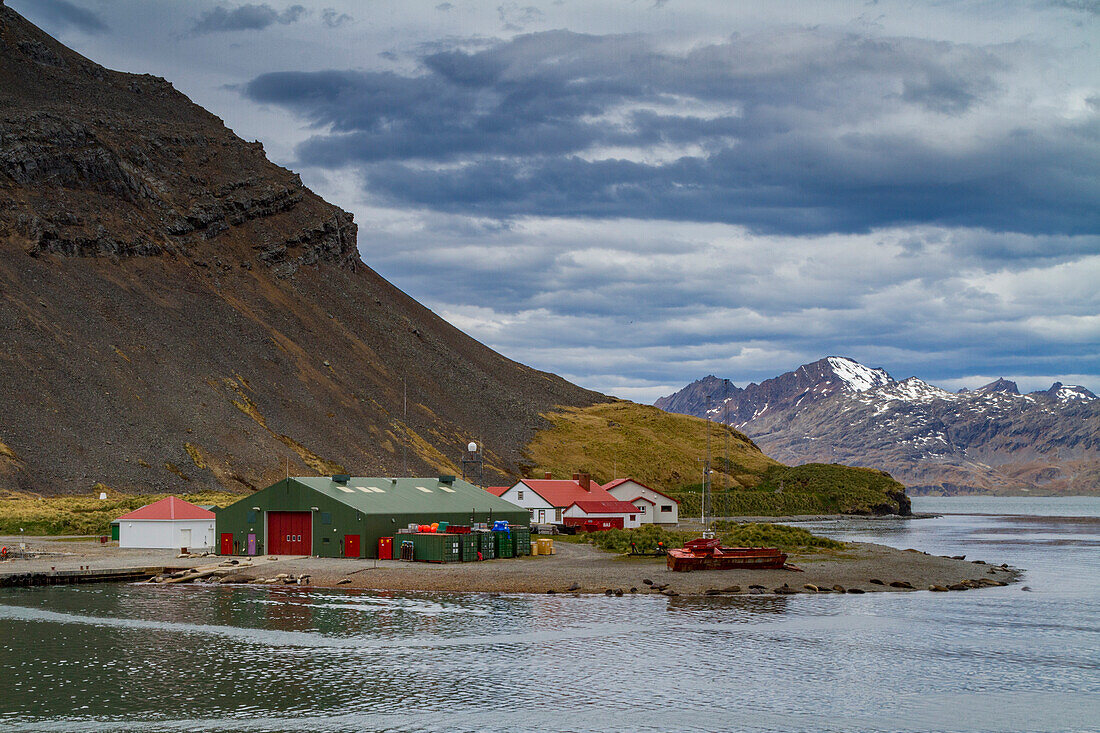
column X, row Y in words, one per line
column 69, row 577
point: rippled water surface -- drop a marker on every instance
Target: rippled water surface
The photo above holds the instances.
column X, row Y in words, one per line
column 147, row 658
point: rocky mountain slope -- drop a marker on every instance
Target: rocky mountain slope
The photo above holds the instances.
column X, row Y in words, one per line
column 178, row 313
column 992, row 439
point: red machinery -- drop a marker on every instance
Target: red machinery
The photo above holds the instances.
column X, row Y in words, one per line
column 708, row 554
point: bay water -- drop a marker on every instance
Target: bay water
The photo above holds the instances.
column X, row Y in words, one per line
column 195, row 658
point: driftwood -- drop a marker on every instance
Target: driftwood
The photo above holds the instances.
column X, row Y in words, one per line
column 186, row 576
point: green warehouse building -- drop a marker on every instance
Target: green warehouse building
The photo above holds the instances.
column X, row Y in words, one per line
column 344, row 516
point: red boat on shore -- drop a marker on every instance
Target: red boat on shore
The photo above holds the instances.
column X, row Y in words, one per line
column 708, row 554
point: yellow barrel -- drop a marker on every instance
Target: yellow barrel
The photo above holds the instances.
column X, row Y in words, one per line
column 534, row 547
column 546, row 546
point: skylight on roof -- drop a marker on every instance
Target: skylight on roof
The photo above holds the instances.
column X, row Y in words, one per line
column 425, row 489
column 376, row 490
column 448, row 489
column 364, row 489
column 345, row 489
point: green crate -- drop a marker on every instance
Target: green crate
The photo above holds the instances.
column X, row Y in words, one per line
column 521, row 539
column 468, row 544
column 503, row 544
column 486, row 545
column 434, row 547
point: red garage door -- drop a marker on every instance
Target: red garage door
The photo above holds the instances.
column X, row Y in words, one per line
column 289, row 533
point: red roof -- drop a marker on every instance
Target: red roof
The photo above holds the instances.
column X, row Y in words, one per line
column 564, row 493
column 606, row 507
column 497, row 490
column 612, row 484
column 170, row 507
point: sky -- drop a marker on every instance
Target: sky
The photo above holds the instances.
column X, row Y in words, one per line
column 635, row 194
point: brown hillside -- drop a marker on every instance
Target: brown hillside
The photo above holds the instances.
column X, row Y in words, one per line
column 179, row 313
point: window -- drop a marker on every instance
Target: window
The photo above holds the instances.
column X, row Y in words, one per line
column 519, row 495
column 632, row 517
column 641, row 509
column 251, row 518
column 326, row 517
column 557, row 514
column 532, row 513
column 666, row 507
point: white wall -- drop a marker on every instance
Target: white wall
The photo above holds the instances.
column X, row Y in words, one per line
column 631, row 490
column 165, row 533
column 530, row 501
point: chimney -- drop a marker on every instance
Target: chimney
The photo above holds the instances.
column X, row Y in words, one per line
column 549, row 475
column 577, row 477
column 586, row 482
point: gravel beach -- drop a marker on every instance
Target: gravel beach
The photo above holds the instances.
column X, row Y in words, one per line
column 575, row 568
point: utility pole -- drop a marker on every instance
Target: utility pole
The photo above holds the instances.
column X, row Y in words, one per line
column 726, row 422
column 405, row 432
column 706, row 466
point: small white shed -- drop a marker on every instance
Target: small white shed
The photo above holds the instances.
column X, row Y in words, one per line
column 170, row 523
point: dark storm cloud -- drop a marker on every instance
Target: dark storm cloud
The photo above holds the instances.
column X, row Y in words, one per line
column 792, row 133
column 61, row 14
column 245, row 18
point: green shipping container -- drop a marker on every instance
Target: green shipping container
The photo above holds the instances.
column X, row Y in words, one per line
column 469, row 546
column 503, row 544
column 521, row 539
column 486, row 545
column 435, row 547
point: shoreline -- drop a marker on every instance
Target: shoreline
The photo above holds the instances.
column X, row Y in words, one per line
column 575, row 569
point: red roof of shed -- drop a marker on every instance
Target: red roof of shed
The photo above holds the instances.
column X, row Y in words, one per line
column 170, row 507
column 606, row 507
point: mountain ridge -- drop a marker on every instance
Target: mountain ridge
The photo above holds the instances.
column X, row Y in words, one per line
column 990, row 439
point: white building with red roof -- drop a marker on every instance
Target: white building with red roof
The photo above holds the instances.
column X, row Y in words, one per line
column 170, row 523
column 558, row 501
column 653, row 506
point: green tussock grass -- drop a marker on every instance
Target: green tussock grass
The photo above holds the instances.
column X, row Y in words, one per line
column 814, row 488
column 84, row 514
column 788, row 539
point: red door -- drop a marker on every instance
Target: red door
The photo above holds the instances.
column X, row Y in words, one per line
column 227, row 543
column 351, row 545
column 289, row 533
column 385, row 548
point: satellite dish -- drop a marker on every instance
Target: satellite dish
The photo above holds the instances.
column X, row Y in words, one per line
column 472, row 447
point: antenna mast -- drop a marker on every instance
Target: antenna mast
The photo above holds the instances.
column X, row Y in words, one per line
column 726, row 422
column 405, row 437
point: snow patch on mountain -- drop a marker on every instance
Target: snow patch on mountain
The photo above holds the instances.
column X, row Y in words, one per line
column 858, row 377
column 1070, row 392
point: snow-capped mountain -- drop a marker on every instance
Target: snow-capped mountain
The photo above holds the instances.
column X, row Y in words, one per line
column 991, row 439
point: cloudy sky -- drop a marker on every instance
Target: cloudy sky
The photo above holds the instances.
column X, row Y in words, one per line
column 635, row 194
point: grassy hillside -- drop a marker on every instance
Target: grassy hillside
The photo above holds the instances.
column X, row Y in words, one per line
column 81, row 515
column 659, row 448
column 666, row 451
